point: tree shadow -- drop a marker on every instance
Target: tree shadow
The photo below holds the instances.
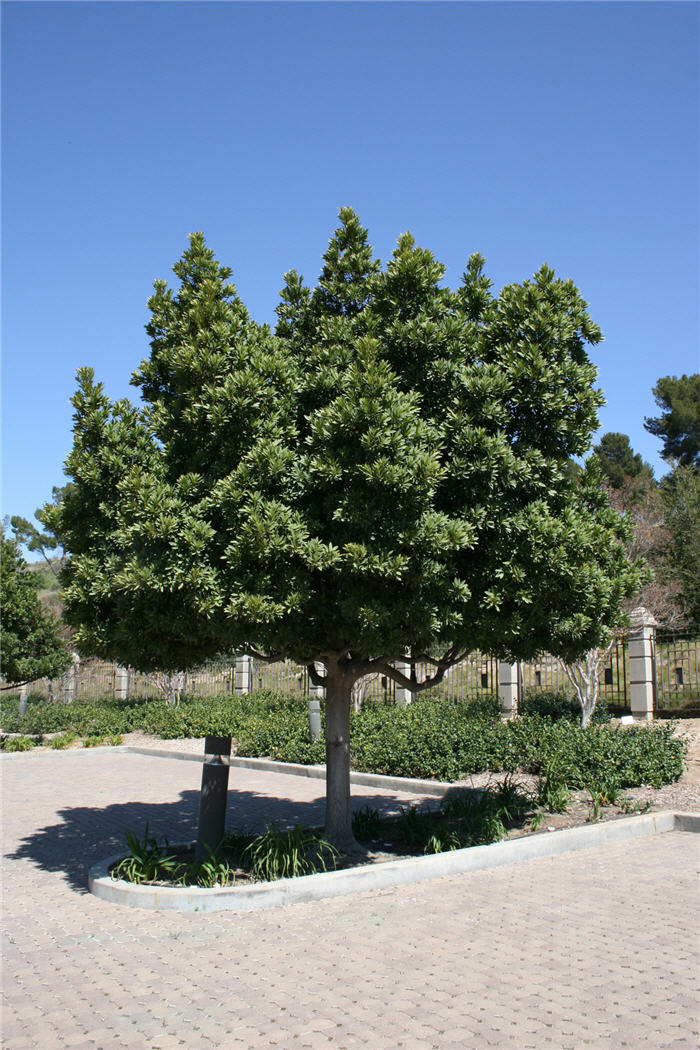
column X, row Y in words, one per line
column 88, row 834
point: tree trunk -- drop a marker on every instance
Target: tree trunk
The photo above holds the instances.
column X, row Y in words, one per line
column 338, row 813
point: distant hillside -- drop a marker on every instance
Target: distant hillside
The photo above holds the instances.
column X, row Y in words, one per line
column 49, row 587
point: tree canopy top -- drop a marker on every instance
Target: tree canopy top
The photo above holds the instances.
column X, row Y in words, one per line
column 387, row 469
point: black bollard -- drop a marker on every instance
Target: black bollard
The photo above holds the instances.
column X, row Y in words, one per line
column 212, row 801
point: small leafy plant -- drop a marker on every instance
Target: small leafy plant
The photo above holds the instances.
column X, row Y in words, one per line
column 63, row 741
column 278, row 854
column 94, row 741
column 210, row 873
column 366, row 823
column 148, row 860
column 20, row 743
column 604, row 791
column 552, row 791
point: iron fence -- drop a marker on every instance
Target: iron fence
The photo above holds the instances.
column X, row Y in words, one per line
column 677, row 671
column 474, row 677
column 284, row 677
column 546, row 675
column 676, row 663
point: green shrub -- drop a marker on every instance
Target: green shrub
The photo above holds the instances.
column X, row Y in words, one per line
column 63, row 741
column 432, row 738
column 366, row 823
column 278, row 854
column 147, row 860
column 557, row 706
column 19, row 743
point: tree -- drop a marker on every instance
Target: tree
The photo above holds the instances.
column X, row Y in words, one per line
column 620, row 463
column 388, row 471
column 681, row 498
column 46, row 543
column 29, row 638
column 679, row 423
column 651, row 540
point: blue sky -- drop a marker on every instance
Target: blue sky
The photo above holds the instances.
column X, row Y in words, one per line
column 564, row 133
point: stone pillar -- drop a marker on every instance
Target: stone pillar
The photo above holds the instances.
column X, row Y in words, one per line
column 318, row 692
column 121, row 683
column 71, row 680
column 314, row 719
column 641, row 657
column 508, row 688
column 244, row 674
column 403, row 697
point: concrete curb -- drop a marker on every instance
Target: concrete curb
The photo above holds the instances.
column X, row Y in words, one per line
column 383, row 875
column 436, row 788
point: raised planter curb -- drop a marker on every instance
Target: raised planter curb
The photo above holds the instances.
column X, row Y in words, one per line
column 383, row 875
column 270, row 765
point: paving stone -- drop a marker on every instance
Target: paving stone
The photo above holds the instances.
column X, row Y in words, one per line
column 586, row 950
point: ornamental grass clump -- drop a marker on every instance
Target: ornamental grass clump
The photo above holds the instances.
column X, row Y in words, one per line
column 280, row 854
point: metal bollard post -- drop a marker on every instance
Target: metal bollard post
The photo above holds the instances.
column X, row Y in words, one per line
column 314, row 720
column 212, row 800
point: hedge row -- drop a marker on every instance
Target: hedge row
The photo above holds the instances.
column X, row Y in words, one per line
column 431, row 738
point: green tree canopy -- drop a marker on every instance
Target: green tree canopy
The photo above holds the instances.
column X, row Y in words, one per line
column 678, row 426
column 388, row 471
column 620, row 463
column 43, row 541
column 30, row 644
column 681, row 498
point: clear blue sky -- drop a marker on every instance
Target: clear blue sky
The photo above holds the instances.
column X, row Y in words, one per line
column 564, row 133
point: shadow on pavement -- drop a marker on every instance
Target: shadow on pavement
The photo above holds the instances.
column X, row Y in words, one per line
column 87, row 834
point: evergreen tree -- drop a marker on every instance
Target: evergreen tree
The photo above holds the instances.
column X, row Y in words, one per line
column 620, row 464
column 681, row 498
column 389, row 470
column 29, row 639
column 678, row 426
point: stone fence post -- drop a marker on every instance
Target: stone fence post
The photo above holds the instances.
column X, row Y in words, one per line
column 70, row 680
column 317, row 693
column 121, row 683
column 508, row 688
column 641, row 657
column 244, row 675
column 403, row 697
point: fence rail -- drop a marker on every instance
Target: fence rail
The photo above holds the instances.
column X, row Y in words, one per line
column 676, row 658
column 677, row 671
column 547, row 675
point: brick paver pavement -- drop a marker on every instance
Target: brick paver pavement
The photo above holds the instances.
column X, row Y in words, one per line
column 595, row 950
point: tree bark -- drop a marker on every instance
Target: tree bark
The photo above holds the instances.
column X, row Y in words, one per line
column 338, row 813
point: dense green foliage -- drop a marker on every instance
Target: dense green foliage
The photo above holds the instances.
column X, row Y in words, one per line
column 390, row 468
column 619, row 463
column 30, row 644
column 678, row 426
column 431, row 738
column 275, row 854
column 681, row 499
column 555, row 706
